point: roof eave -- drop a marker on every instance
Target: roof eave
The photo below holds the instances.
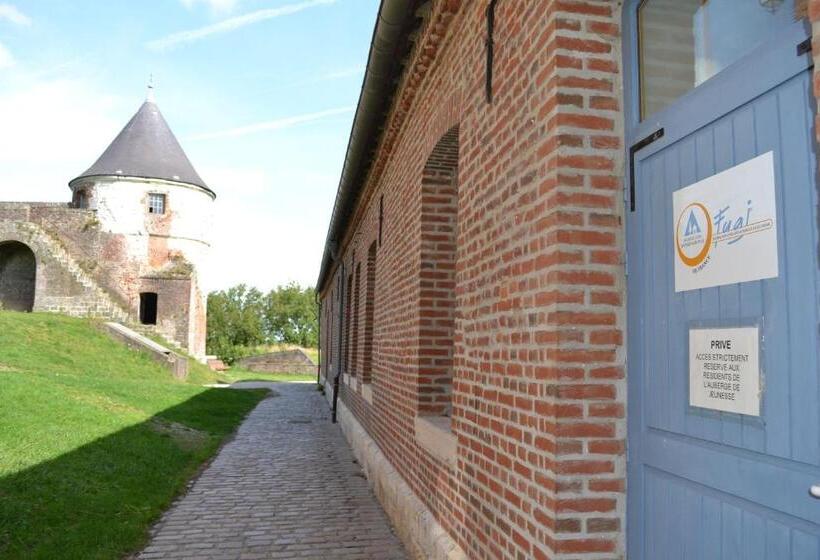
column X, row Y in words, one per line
column 144, row 178
column 394, row 23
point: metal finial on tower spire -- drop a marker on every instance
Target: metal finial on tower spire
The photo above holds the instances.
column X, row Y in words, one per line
column 150, row 95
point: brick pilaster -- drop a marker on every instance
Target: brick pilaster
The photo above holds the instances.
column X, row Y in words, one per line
column 582, row 401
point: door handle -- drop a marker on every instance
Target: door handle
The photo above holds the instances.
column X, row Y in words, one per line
column 814, row 491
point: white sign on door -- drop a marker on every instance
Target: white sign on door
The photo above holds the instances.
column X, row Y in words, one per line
column 724, row 369
column 725, row 227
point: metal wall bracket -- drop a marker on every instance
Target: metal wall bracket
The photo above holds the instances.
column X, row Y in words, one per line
column 632, row 151
column 804, row 47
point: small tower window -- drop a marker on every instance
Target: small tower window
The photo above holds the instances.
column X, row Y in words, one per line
column 81, row 199
column 156, row 203
column 148, row 308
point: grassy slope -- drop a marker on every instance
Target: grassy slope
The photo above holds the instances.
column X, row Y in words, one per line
column 87, row 458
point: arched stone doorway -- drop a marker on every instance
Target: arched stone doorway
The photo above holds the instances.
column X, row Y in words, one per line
column 18, row 276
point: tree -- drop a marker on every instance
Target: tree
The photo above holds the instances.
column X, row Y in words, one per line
column 291, row 315
column 234, row 321
column 241, row 319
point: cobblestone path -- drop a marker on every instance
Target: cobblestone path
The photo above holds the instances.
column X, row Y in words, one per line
column 287, row 486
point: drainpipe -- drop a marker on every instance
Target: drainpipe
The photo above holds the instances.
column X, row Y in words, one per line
column 338, row 375
column 488, row 86
column 318, row 339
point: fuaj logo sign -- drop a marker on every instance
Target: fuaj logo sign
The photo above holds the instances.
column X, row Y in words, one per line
column 694, row 235
column 724, row 227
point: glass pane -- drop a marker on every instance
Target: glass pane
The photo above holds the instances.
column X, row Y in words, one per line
column 156, row 203
column 683, row 43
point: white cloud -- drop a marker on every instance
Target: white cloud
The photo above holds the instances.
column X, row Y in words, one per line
column 355, row 71
column 52, row 130
column 261, row 237
column 6, row 59
column 232, row 24
column 54, row 70
column 277, row 124
column 343, row 73
column 13, row 15
column 216, row 6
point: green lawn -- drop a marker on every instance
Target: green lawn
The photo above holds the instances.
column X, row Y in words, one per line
column 95, row 439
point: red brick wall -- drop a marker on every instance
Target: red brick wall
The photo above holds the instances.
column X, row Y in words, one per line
column 369, row 313
column 173, row 305
column 814, row 17
column 538, row 393
column 356, row 297
column 437, row 295
column 348, row 317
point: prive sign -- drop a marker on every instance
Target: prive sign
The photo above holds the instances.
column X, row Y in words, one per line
column 724, row 369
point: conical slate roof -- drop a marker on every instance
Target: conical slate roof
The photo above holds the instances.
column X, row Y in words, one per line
column 146, row 148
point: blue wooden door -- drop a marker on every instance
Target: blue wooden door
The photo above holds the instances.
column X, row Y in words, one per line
column 704, row 484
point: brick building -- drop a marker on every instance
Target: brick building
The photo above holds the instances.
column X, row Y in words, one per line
column 547, row 208
column 130, row 246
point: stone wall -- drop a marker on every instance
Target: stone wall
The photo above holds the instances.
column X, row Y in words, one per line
column 288, row 361
column 173, row 310
column 61, row 283
column 18, row 274
column 83, row 270
column 417, row 528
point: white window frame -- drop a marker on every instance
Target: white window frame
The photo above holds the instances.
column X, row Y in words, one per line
column 153, row 207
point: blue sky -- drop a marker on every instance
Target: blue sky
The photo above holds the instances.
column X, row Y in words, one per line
column 260, row 93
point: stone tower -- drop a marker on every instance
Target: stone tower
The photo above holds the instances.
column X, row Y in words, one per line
column 131, row 246
column 146, row 193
